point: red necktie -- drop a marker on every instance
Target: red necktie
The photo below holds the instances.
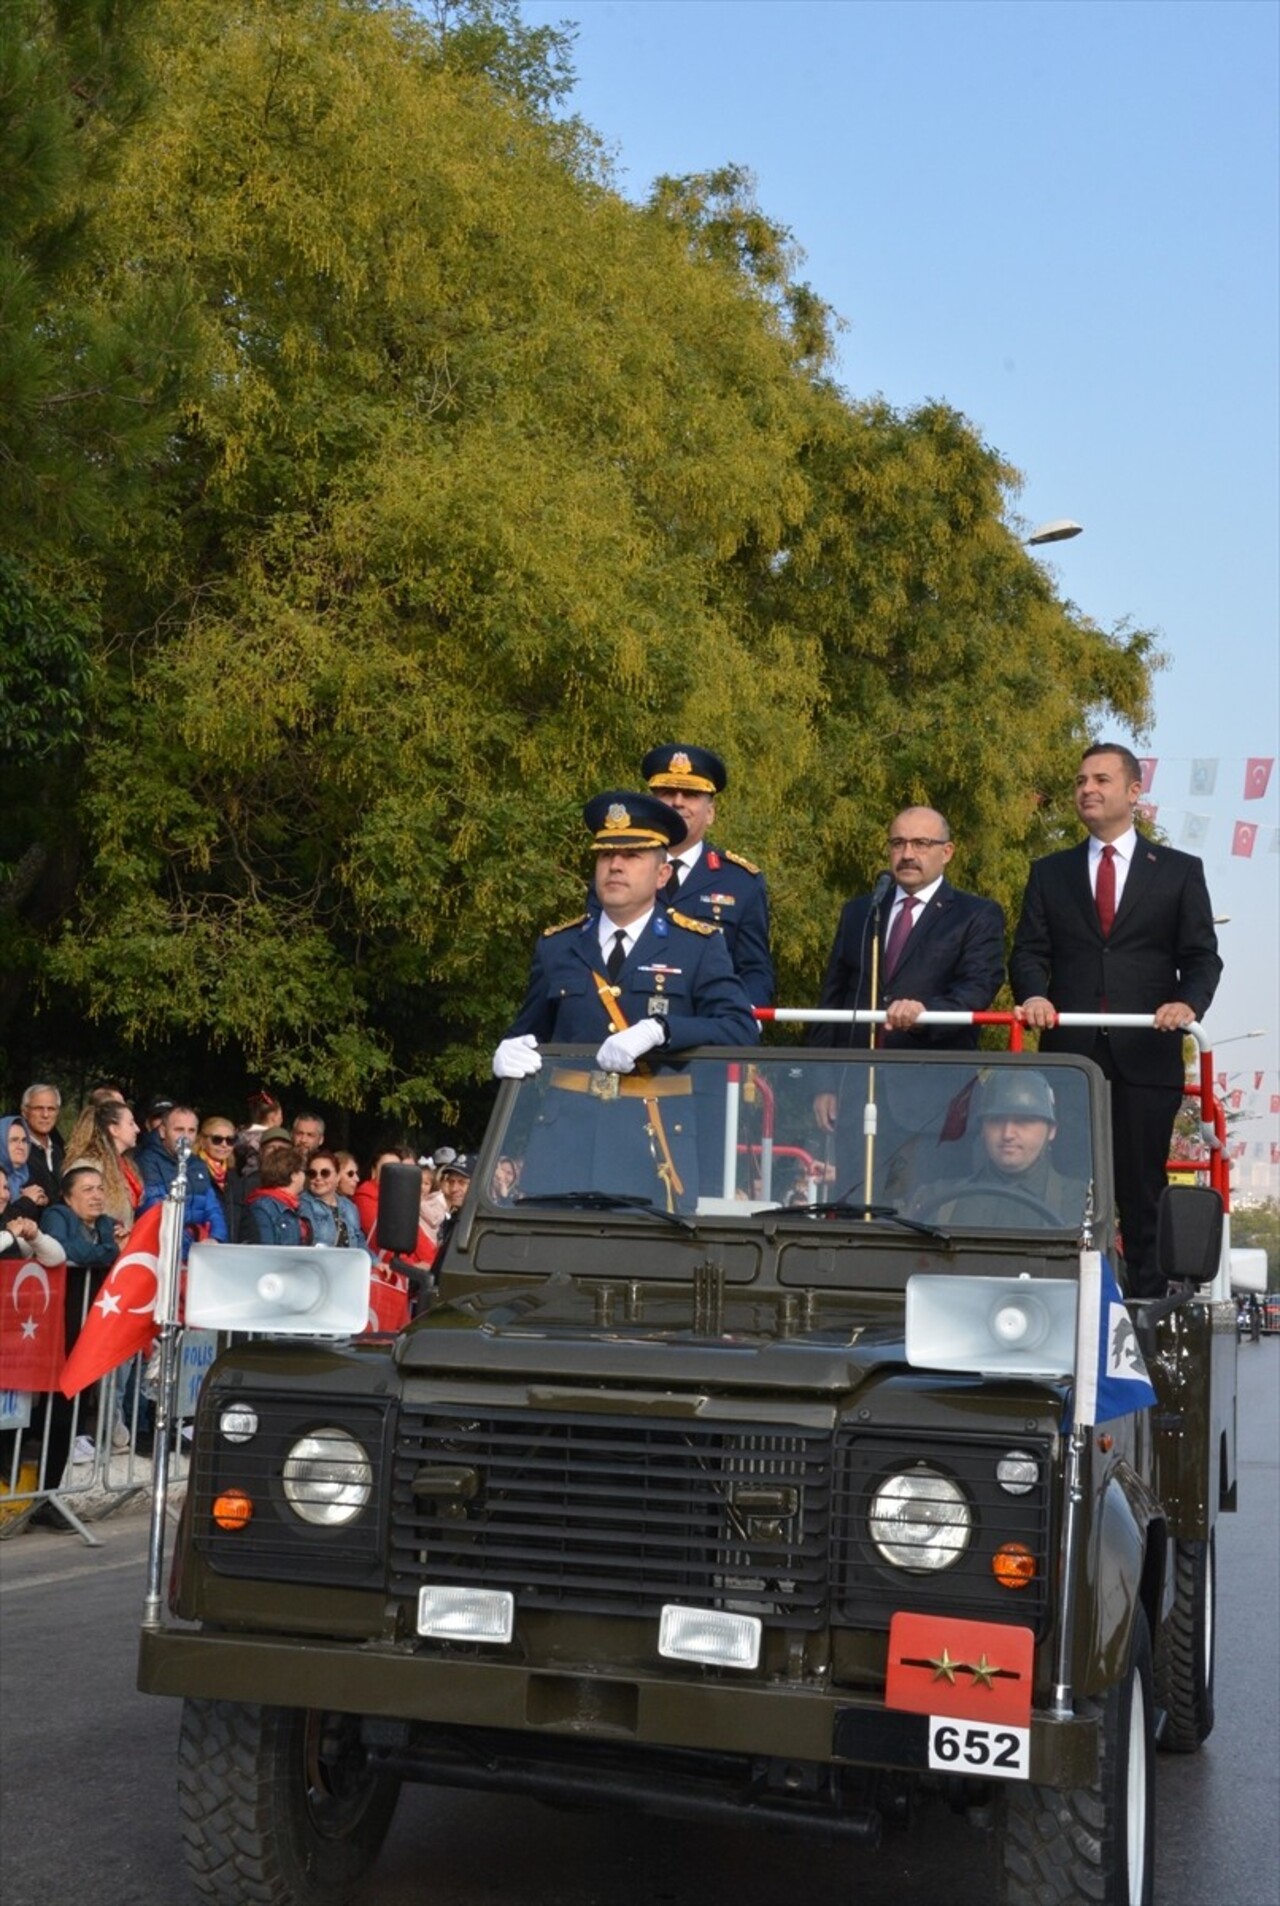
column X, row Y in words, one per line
column 898, row 937
column 1104, row 894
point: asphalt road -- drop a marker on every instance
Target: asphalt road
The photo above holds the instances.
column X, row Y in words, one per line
column 88, row 1810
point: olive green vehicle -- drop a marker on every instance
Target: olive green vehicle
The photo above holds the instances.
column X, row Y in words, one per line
column 728, row 1472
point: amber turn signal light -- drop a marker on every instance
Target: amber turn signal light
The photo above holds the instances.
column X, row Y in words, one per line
column 1013, row 1565
column 233, row 1510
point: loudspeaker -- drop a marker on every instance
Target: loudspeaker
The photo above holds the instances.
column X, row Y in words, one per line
column 1248, row 1269
column 997, row 1326
column 297, row 1290
column 399, row 1202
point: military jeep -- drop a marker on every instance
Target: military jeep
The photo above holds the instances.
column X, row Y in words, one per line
column 733, row 1469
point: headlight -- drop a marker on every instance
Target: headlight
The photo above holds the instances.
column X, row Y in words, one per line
column 328, row 1477
column 920, row 1520
column 1018, row 1473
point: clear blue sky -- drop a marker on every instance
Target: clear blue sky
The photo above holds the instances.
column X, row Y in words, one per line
column 1063, row 218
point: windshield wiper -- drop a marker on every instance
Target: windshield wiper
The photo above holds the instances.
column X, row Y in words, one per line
column 604, row 1201
column 882, row 1213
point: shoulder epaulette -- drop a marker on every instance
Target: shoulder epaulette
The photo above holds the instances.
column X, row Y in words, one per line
column 748, row 866
column 564, row 926
column 694, row 926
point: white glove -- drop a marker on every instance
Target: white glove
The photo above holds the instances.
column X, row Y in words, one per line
column 621, row 1049
column 517, row 1058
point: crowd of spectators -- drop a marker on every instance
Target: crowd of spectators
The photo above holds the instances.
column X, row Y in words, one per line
column 73, row 1201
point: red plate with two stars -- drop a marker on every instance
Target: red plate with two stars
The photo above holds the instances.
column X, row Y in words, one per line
column 973, row 1680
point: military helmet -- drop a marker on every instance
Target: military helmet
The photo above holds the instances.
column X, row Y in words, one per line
column 1010, row 1093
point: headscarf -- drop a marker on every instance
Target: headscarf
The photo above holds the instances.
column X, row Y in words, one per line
column 18, row 1174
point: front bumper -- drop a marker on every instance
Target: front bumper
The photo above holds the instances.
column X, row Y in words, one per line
column 397, row 1681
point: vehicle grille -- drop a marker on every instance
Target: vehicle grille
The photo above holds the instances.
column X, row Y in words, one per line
column 614, row 1514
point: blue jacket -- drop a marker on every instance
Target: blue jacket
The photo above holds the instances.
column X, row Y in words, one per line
column 159, row 1168
column 93, row 1249
column 726, row 891
column 269, row 1220
column 679, row 970
column 324, row 1220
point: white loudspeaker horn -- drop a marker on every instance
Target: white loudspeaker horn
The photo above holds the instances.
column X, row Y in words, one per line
column 1248, row 1269
column 296, row 1290
column 996, row 1326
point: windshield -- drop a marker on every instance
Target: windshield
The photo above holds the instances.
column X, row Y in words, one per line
column 981, row 1141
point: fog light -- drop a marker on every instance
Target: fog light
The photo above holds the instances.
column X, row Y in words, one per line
column 238, row 1423
column 710, row 1637
column 232, row 1509
column 466, row 1614
column 1017, row 1472
column 1013, row 1565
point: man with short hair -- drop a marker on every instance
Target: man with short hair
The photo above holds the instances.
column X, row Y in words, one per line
column 157, row 1159
column 1120, row 924
column 308, row 1134
column 40, row 1107
column 707, row 882
column 923, row 946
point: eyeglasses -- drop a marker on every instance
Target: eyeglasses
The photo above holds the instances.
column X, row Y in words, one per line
column 897, row 842
column 219, row 1138
column 320, row 1177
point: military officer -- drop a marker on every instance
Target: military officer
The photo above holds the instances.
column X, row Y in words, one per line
column 708, row 882
column 632, row 978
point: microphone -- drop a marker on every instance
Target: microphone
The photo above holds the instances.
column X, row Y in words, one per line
column 880, row 892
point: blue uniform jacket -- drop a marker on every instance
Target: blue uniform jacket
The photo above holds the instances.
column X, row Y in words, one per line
column 678, row 969
column 730, row 893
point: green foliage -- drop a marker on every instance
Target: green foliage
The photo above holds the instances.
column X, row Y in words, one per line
column 454, row 482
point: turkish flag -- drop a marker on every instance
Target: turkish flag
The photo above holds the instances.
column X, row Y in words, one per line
column 388, row 1300
column 32, row 1327
column 1257, row 776
column 1275, row 1103
column 1148, row 763
column 121, row 1318
column 1243, row 838
column 968, row 1670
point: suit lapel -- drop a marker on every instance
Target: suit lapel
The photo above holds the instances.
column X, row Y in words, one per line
column 1080, row 890
column 1137, row 882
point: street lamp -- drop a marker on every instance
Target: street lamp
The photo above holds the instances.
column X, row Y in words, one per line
column 1060, row 530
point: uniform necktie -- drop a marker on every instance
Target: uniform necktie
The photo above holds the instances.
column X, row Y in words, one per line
column 898, row 937
column 617, row 954
column 1104, row 895
column 678, row 872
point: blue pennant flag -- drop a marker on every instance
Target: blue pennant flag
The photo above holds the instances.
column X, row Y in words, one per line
column 1111, row 1377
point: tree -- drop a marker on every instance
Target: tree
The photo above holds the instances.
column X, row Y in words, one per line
column 482, row 480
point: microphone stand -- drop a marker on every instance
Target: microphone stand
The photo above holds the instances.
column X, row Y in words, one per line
column 869, row 1112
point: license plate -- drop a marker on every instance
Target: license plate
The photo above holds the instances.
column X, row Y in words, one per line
column 976, row 1747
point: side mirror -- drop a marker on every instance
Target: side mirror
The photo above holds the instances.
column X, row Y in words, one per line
column 399, row 1200
column 1189, row 1234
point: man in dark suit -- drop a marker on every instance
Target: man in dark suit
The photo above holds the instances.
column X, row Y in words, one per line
column 930, row 948
column 632, row 978
column 1119, row 924
column 707, row 882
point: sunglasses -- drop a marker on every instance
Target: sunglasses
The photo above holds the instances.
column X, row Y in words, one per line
column 320, row 1177
column 219, row 1138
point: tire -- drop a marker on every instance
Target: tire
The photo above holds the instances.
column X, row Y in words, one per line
column 1187, row 1648
column 278, row 1805
column 1060, row 1847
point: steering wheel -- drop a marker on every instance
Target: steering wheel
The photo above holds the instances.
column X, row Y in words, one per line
column 1011, row 1194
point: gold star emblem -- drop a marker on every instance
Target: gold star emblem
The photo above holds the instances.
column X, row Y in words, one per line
column 944, row 1667
column 983, row 1672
